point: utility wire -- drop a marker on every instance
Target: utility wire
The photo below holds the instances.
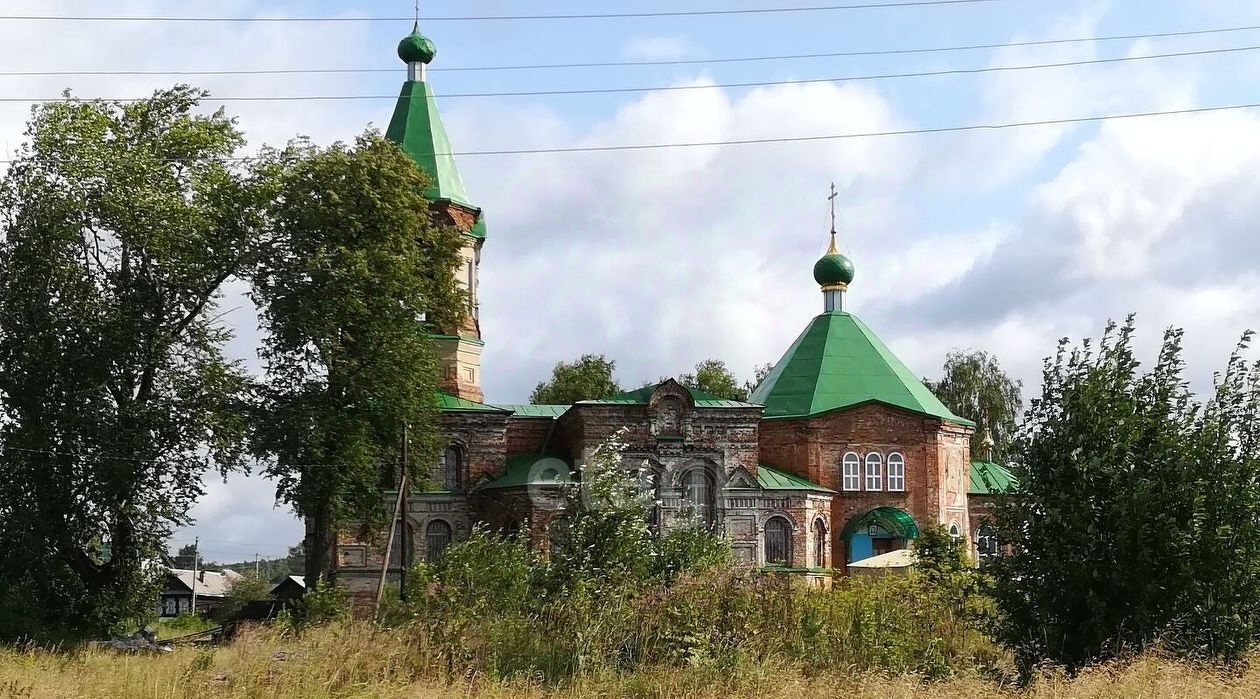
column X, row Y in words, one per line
column 619, row 64
column 826, row 137
column 499, row 18
column 674, row 88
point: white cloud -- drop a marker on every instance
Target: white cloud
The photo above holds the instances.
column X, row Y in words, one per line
column 659, row 48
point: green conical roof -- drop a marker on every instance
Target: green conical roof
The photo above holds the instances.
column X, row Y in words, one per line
column 839, row 363
column 417, row 127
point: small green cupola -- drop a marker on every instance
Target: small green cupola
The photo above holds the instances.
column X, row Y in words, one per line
column 834, row 273
column 417, row 48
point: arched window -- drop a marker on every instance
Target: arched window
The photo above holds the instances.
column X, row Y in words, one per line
column 778, row 542
column 851, row 470
column 986, row 541
column 400, row 555
column 954, row 532
column 452, row 469
column 820, row 544
column 699, row 495
column 437, row 536
column 874, row 471
column 896, row 472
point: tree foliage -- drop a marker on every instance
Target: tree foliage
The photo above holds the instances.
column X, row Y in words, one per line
column 975, row 387
column 712, row 377
column 587, row 378
column 121, row 225
column 1136, row 515
column 356, row 274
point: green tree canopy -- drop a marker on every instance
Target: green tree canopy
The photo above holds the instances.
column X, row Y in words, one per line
column 974, row 387
column 587, row 378
column 356, row 273
column 712, row 377
column 1135, row 519
column 121, row 224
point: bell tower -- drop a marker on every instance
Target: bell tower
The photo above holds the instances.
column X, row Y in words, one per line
column 417, row 127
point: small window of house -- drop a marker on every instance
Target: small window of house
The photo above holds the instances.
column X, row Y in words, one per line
column 820, row 544
column 437, row 537
column 699, row 495
column 452, row 468
column 896, row 472
column 874, row 471
column 778, row 542
column 852, row 472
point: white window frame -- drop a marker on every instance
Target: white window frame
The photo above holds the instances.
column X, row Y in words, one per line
column 875, row 475
column 897, row 475
column 851, row 478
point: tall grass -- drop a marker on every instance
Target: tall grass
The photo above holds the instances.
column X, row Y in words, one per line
column 357, row 660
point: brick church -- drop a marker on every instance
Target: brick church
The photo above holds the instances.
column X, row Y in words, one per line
column 840, row 454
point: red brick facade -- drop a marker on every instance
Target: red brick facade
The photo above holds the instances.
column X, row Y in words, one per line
column 936, row 456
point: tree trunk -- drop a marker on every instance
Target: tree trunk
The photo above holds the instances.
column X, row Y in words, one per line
column 320, row 544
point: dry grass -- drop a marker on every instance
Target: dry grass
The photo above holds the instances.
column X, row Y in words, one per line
column 360, row 661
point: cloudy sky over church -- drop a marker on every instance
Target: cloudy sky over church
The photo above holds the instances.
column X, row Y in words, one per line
column 1003, row 240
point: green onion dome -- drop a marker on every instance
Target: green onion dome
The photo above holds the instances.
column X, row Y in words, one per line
column 417, row 48
column 834, row 269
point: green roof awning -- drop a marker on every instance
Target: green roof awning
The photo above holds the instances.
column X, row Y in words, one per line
column 987, row 478
column 532, row 469
column 772, row 478
column 837, row 363
column 895, row 520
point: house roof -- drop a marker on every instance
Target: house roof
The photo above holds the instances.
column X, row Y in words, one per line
column 771, row 478
column 988, row 478
column 417, row 127
column 532, row 469
column 208, row 583
column 837, row 363
column 643, row 396
column 448, row 403
column 299, row 580
column 548, row 411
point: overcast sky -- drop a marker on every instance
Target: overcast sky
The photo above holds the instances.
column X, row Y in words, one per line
column 998, row 240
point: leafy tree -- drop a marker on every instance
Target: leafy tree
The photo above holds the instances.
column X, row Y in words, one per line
column 587, row 378
column 121, row 225
column 975, row 387
column 243, row 590
column 1135, row 519
column 760, row 372
column 356, row 271
column 714, row 378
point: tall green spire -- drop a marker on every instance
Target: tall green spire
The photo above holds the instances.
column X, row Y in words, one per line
column 417, row 126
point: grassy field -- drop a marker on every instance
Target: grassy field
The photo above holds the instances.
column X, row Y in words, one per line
column 363, row 661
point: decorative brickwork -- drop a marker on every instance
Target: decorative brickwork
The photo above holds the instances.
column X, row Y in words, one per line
column 935, row 453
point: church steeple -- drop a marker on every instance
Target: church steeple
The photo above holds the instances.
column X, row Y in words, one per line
column 834, row 272
column 417, row 127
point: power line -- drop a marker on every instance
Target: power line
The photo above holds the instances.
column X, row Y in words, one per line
column 616, row 64
column 499, row 18
column 675, row 88
column 803, row 139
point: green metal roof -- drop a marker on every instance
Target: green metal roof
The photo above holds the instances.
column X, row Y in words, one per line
column 532, row 469
column 643, row 395
column 417, row 127
column 550, row 411
column 772, row 478
column 895, row 520
column 988, row 478
column 839, row 363
column 454, row 404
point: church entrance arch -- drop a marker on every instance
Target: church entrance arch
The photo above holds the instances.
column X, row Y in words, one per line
column 878, row 531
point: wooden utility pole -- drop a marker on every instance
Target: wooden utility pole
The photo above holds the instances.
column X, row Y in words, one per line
column 406, row 543
column 196, row 561
column 394, row 526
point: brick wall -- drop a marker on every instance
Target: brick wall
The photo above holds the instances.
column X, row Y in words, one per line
column 815, row 447
column 528, row 435
column 483, row 439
